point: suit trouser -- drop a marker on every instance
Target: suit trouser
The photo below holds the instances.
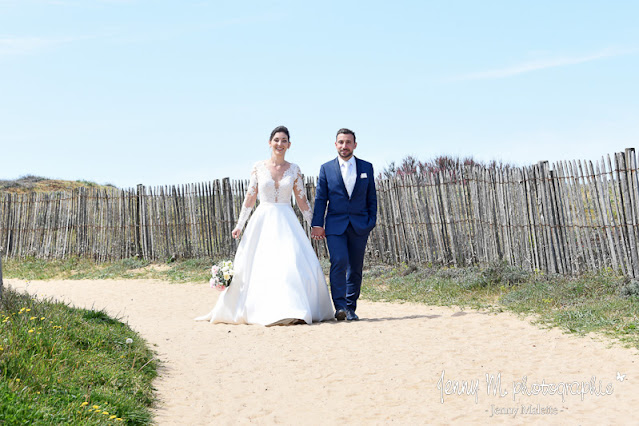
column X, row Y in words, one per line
column 347, row 260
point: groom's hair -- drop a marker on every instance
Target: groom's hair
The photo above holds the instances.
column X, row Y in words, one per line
column 278, row 129
column 346, row 131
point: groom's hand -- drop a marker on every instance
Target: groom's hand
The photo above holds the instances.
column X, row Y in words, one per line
column 317, row 233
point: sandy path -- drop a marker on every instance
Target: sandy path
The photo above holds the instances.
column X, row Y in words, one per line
column 383, row 369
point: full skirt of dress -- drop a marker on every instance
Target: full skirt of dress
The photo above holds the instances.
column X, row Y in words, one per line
column 277, row 274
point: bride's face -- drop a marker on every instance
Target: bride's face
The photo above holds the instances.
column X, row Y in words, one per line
column 279, row 144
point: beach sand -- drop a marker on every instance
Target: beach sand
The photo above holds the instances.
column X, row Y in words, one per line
column 401, row 364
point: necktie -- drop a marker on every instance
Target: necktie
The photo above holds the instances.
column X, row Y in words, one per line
column 347, row 175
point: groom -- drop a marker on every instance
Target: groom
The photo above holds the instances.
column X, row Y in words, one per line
column 347, row 185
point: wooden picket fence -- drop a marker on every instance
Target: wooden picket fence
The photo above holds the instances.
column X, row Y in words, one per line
column 570, row 218
column 575, row 217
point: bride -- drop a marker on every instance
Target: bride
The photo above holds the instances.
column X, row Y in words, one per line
column 278, row 279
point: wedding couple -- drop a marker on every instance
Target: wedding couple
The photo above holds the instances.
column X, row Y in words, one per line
column 278, row 279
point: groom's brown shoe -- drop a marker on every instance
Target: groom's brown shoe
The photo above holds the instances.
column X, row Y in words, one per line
column 340, row 314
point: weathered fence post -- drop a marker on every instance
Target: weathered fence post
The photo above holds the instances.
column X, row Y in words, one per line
column 1, row 282
column 228, row 217
column 138, row 222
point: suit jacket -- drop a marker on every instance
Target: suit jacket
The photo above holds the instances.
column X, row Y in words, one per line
column 334, row 210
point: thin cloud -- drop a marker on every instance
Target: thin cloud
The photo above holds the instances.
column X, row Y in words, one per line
column 543, row 64
column 63, row 2
column 11, row 45
column 24, row 45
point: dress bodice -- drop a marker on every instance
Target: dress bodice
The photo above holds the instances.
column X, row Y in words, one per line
column 271, row 191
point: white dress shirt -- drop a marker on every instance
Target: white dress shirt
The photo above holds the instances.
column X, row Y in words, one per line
column 349, row 173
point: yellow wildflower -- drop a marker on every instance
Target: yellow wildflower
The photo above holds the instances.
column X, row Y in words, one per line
column 28, row 310
column 96, row 407
column 31, row 331
column 41, row 318
column 32, row 318
column 106, row 413
column 112, row 417
column 119, row 419
column 84, row 404
column 17, row 380
column 1, row 348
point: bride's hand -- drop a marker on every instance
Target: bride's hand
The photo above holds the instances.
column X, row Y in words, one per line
column 236, row 233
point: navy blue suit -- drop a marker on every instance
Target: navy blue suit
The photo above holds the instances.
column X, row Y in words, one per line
column 347, row 222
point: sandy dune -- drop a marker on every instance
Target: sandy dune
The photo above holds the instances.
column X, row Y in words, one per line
column 402, row 364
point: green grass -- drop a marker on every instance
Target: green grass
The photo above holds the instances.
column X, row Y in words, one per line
column 603, row 303
column 596, row 303
column 75, row 268
column 60, row 365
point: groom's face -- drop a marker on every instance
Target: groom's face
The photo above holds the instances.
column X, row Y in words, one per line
column 345, row 145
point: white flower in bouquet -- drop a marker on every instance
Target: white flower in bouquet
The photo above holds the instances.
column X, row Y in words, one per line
column 222, row 275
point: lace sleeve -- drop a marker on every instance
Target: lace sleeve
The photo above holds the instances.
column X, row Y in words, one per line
column 249, row 200
column 300, row 197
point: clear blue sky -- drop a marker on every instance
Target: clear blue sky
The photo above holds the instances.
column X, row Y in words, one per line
column 170, row 92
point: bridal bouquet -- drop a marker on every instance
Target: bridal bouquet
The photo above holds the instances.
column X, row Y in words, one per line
column 222, row 275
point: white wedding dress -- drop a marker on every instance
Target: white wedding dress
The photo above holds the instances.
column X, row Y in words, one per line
column 278, row 279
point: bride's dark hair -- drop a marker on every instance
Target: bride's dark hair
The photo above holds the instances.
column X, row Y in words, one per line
column 278, row 129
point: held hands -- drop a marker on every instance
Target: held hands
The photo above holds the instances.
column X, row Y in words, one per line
column 236, row 233
column 318, row 233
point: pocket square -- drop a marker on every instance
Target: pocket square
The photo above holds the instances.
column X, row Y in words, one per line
column 363, row 176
